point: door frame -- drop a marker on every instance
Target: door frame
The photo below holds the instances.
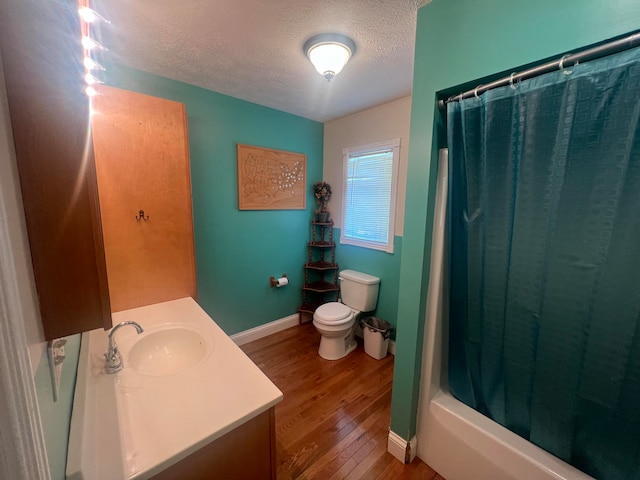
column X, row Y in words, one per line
column 23, row 454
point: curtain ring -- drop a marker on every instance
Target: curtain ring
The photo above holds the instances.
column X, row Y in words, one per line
column 561, row 64
column 475, row 91
column 511, row 80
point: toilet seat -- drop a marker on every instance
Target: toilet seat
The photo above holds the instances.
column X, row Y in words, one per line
column 333, row 314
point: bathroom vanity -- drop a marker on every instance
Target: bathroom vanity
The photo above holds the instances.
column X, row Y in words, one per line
column 188, row 403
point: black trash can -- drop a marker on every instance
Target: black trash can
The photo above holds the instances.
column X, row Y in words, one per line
column 376, row 336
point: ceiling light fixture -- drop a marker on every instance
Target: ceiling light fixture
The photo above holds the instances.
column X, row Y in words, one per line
column 329, row 53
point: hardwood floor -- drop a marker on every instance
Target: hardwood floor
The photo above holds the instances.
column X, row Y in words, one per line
column 333, row 422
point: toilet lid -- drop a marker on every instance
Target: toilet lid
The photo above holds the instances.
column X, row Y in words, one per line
column 332, row 312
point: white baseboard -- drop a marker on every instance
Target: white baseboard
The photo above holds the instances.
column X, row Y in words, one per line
column 265, row 330
column 282, row 324
column 400, row 448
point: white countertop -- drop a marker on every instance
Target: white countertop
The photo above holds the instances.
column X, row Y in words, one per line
column 132, row 426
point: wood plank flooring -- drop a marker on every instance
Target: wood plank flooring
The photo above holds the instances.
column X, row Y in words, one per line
column 333, row 422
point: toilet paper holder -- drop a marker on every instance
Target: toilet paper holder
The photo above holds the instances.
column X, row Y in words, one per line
column 274, row 281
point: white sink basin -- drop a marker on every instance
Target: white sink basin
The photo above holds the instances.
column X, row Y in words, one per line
column 132, row 425
column 168, row 351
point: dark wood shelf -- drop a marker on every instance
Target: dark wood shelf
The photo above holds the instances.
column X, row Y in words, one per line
column 322, row 243
column 321, row 265
column 320, row 272
column 309, row 307
column 321, row 286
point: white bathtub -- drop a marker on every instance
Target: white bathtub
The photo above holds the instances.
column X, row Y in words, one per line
column 455, row 440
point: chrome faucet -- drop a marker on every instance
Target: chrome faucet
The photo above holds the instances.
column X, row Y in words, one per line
column 113, row 356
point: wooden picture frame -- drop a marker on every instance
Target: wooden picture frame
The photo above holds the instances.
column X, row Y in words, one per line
column 271, row 179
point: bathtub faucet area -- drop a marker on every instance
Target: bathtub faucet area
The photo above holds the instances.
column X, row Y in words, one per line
column 113, row 355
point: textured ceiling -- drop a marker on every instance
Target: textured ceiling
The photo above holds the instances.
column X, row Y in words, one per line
column 252, row 49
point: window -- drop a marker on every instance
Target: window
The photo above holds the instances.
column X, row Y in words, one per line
column 369, row 197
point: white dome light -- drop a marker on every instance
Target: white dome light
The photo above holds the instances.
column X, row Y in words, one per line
column 329, row 53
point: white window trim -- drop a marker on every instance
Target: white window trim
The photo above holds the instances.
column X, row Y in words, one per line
column 394, row 145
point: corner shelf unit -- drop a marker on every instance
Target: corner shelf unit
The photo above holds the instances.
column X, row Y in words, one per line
column 320, row 271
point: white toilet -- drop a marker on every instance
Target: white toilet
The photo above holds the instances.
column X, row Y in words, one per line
column 335, row 321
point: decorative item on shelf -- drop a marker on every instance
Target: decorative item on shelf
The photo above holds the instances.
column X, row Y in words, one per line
column 322, row 192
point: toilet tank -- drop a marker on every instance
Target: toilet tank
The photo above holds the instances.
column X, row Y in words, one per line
column 359, row 290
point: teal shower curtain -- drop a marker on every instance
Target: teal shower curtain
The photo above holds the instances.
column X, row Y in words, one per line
column 544, row 221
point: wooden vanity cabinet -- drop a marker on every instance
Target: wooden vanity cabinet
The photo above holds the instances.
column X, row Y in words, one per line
column 42, row 63
column 245, row 453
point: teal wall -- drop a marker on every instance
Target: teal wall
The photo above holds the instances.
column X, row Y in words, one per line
column 380, row 264
column 457, row 42
column 56, row 416
column 237, row 251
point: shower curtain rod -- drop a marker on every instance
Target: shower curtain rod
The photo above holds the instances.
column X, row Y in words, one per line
column 567, row 60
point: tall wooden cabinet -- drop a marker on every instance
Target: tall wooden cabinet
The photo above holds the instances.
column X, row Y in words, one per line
column 320, row 272
column 144, row 185
column 42, row 62
column 41, row 53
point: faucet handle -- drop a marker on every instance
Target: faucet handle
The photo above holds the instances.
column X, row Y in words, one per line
column 114, row 361
column 113, row 355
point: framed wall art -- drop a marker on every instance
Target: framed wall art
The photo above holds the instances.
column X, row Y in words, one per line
column 271, row 179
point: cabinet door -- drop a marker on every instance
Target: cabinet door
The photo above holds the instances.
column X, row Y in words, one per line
column 42, row 58
column 246, row 453
column 142, row 161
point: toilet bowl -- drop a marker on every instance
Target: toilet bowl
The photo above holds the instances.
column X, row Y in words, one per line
column 335, row 321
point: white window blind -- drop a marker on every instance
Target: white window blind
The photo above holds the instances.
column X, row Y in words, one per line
column 369, row 195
